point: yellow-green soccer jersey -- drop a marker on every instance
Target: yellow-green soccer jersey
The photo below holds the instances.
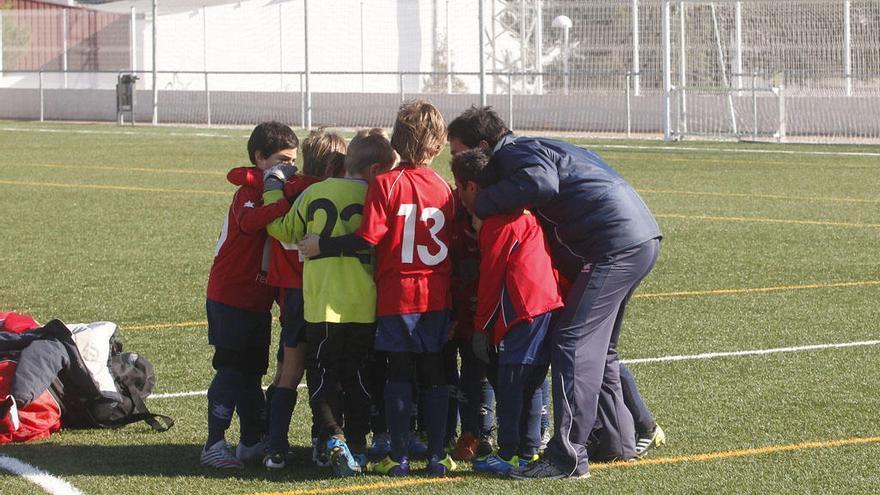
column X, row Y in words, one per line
column 336, row 289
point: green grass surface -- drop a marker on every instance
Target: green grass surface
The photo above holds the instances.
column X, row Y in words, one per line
column 108, row 223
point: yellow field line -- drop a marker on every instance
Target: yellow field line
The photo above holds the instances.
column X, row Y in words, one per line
column 367, row 487
column 770, row 220
column 128, row 169
column 657, row 461
column 159, row 326
column 730, row 454
column 763, row 196
column 112, row 188
column 724, row 292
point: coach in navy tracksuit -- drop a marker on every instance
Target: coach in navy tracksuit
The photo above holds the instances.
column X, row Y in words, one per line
column 605, row 240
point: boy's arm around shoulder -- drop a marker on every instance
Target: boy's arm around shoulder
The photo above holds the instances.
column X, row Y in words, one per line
column 282, row 227
column 252, row 214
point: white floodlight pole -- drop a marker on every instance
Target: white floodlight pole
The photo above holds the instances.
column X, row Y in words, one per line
column 132, row 34
column 847, row 47
column 635, row 40
column 448, row 54
column 155, row 70
column 682, row 71
column 281, row 46
column 738, row 36
column 667, row 75
column 564, row 22
column 65, row 28
column 483, row 100
column 539, row 46
column 205, row 63
column 308, row 74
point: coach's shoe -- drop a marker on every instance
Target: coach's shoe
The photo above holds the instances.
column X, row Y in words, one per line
column 380, row 446
column 652, row 440
column 275, row 460
column 543, row 469
column 319, row 453
column 441, row 467
column 253, row 454
column 389, row 467
column 220, row 456
column 343, row 462
column 495, row 464
column 466, row 447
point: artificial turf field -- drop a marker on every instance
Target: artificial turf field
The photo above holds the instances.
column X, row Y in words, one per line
column 766, row 247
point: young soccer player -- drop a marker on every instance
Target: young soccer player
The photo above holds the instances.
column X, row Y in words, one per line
column 406, row 217
column 239, row 302
column 340, row 302
column 323, row 153
column 518, row 290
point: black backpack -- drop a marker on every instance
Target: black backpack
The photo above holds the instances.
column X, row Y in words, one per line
column 134, row 378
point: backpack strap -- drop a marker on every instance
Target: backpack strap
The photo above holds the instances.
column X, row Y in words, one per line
column 158, row 422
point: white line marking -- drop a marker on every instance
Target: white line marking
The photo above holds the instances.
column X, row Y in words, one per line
column 49, row 483
column 712, row 355
column 662, row 359
column 729, row 150
column 125, row 133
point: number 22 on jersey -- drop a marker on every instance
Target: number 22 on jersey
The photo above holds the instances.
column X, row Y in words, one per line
column 408, row 247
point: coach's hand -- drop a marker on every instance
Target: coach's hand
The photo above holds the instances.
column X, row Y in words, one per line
column 274, row 178
column 309, row 246
column 480, row 344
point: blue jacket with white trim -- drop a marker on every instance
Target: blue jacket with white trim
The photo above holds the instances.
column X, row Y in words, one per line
column 587, row 209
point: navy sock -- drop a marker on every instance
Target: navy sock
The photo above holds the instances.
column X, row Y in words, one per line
column 398, row 408
column 436, row 402
column 282, row 404
column 223, row 395
column 252, row 410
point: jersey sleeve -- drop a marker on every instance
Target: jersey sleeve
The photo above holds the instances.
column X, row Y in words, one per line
column 496, row 242
column 530, row 180
column 250, row 213
column 375, row 220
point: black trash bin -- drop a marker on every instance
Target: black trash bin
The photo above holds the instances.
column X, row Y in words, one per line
column 125, row 97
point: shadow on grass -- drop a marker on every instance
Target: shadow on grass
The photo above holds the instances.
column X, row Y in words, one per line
column 164, row 460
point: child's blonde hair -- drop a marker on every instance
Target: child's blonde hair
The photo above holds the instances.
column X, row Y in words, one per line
column 367, row 147
column 323, row 153
column 419, row 132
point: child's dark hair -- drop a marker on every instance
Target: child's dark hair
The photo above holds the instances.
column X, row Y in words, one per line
column 473, row 165
column 367, row 147
column 269, row 138
column 478, row 124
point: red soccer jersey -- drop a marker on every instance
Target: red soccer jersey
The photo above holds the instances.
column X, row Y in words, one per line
column 465, row 270
column 238, row 275
column 517, row 279
column 285, row 267
column 407, row 215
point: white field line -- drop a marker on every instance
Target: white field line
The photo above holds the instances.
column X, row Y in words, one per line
column 732, row 150
column 662, row 359
column 49, row 483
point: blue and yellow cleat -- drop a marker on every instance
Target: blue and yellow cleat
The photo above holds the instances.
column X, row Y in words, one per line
column 343, row 462
column 390, row 467
column 495, row 464
column 441, row 467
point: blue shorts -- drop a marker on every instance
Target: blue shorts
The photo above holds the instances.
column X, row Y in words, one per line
column 415, row 332
column 293, row 323
column 242, row 338
column 526, row 342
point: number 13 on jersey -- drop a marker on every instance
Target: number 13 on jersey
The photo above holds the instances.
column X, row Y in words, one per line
column 436, row 219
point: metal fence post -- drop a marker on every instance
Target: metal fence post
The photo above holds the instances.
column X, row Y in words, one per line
column 207, row 99
column 302, row 102
column 510, row 100
column 635, row 42
column 667, row 74
column 628, row 106
column 483, row 100
column 754, row 106
column 42, row 101
column 400, row 87
column 847, row 47
column 782, row 126
column 308, row 97
column 155, row 68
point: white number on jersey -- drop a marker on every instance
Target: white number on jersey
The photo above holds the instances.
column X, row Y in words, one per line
column 409, row 235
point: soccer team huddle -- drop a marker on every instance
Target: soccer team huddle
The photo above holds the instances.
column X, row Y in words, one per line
column 387, row 279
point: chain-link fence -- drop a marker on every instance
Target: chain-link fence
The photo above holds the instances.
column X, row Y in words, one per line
column 750, row 68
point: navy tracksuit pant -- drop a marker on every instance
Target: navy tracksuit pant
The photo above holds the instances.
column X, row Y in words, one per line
column 585, row 362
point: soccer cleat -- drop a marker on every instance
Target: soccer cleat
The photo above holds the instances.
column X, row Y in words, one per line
column 466, row 447
column 380, row 446
column 416, row 447
column 389, row 467
column 654, row 439
column 441, row 467
column 220, row 456
column 525, row 461
column 495, row 464
column 343, row 462
column 319, row 454
column 542, row 470
column 253, row 454
column 276, row 460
